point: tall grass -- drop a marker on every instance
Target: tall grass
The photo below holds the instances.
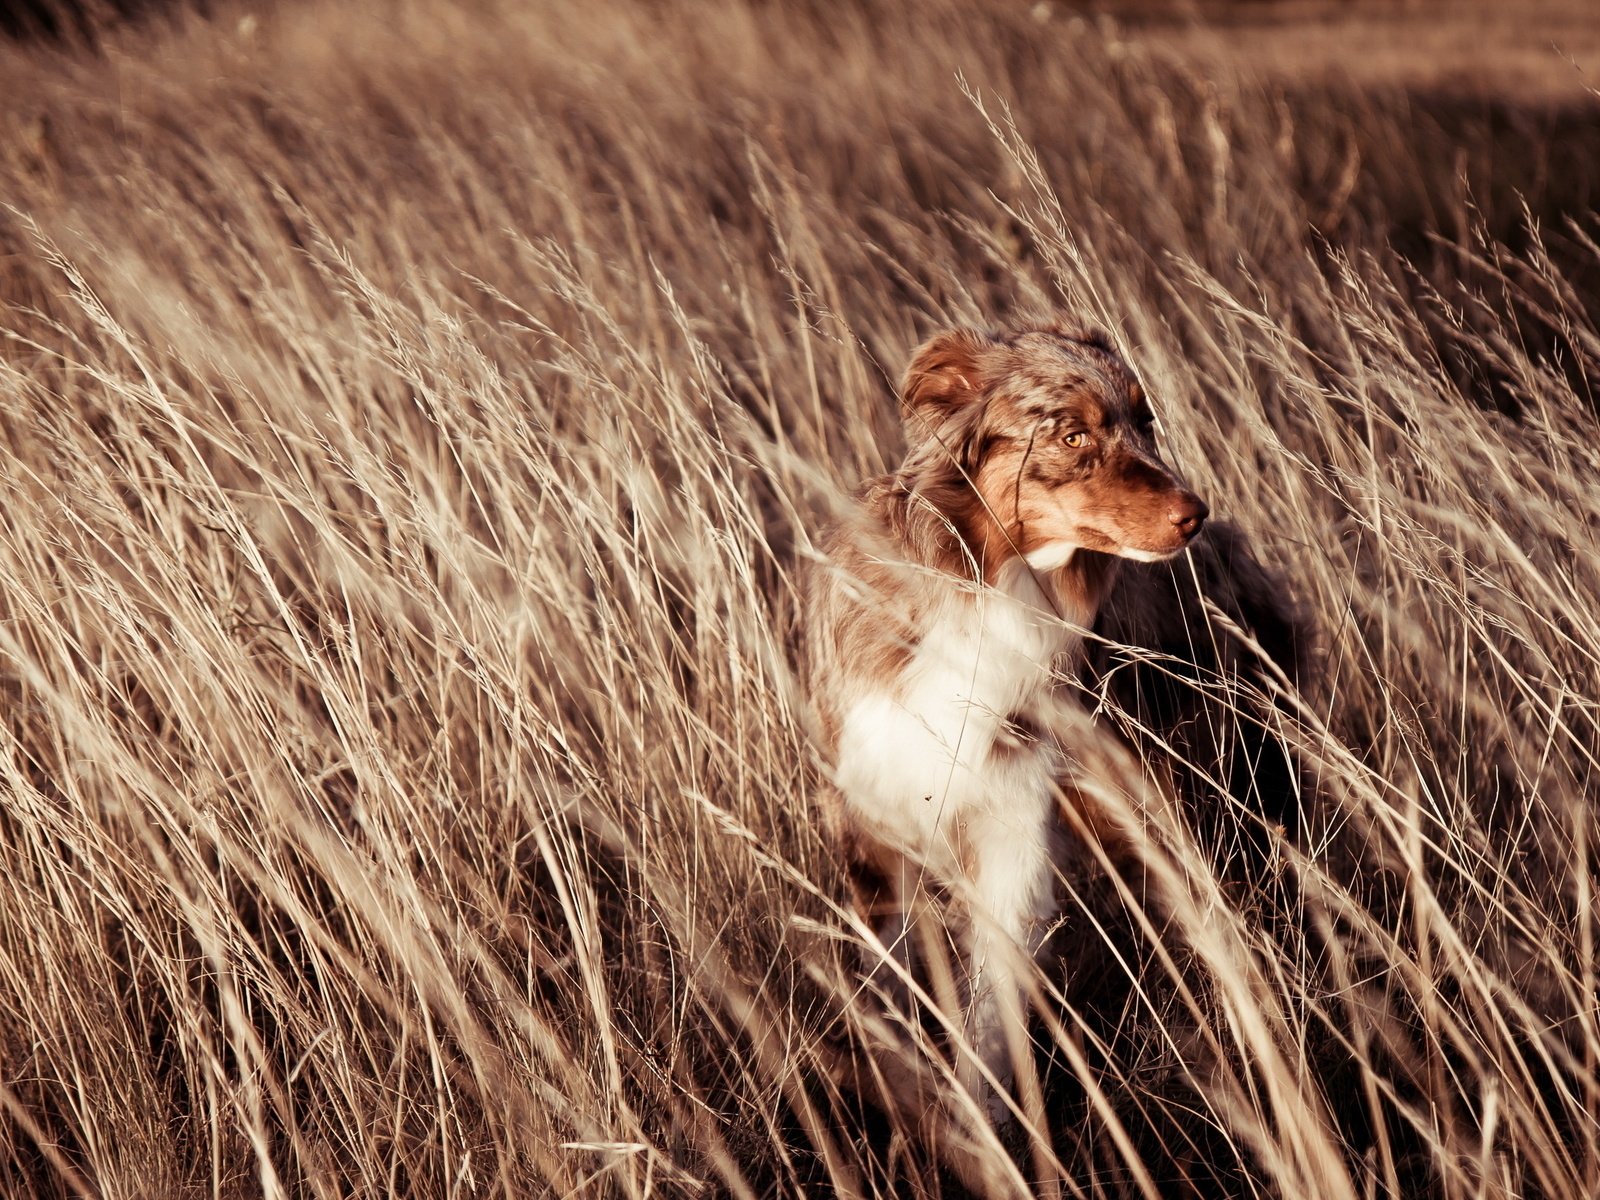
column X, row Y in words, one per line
column 414, row 419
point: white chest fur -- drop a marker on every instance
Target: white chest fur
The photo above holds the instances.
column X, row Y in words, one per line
column 921, row 755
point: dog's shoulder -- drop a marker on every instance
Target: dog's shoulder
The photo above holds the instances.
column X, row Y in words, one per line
column 860, row 595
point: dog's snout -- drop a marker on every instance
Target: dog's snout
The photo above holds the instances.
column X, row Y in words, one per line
column 1187, row 512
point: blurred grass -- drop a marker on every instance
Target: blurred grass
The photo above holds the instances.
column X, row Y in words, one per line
column 414, row 418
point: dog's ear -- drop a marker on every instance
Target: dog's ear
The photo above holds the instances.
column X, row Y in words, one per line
column 945, row 374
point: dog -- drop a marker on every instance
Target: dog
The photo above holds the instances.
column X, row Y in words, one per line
column 942, row 615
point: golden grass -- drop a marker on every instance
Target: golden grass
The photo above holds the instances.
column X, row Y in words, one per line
column 414, row 417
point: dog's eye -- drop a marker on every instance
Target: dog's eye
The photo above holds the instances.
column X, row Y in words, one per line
column 1077, row 439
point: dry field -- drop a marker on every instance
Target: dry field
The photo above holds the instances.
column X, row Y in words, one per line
column 415, row 415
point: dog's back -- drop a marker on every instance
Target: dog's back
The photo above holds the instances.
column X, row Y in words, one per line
column 1176, row 692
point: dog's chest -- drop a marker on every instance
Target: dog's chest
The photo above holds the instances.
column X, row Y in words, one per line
column 926, row 747
column 982, row 659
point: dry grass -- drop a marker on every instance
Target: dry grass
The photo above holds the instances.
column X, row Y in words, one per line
column 413, row 420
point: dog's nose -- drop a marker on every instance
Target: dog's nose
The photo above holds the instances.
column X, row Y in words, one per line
column 1187, row 513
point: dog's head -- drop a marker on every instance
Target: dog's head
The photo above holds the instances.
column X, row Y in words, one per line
column 1052, row 442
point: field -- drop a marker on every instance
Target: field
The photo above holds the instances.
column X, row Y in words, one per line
column 418, row 414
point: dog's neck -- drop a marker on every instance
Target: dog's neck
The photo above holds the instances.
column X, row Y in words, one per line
column 945, row 525
column 1075, row 580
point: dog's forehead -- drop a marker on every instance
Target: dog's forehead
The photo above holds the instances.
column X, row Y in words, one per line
column 1049, row 374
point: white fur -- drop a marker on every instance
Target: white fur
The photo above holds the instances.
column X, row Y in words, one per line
column 915, row 759
column 915, row 767
column 1053, row 556
column 1147, row 555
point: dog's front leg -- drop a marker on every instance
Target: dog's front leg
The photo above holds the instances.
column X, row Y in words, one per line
column 1007, row 858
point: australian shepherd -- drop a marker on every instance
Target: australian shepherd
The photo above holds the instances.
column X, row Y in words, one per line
column 943, row 615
